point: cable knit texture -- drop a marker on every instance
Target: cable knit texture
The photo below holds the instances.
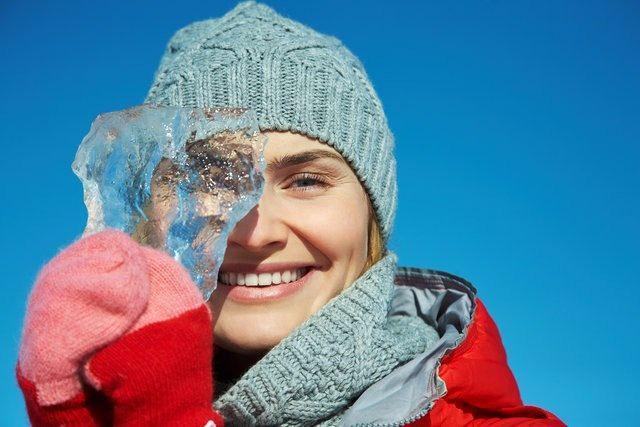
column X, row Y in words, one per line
column 295, row 79
column 313, row 374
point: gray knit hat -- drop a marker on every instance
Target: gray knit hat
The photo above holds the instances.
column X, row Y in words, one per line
column 294, row 78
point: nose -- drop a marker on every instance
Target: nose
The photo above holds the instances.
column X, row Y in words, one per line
column 261, row 230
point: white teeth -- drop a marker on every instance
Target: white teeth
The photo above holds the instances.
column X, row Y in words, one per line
column 275, row 278
column 286, row 276
column 251, row 279
column 262, row 279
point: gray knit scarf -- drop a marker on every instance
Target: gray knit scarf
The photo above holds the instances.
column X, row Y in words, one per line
column 314, row 374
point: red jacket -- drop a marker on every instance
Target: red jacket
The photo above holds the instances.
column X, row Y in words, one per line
column 463, row 380
column 481, row 390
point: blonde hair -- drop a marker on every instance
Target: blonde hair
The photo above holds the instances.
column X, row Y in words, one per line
column 375, row 244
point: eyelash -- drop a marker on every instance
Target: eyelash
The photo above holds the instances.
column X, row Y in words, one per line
column 303, row 177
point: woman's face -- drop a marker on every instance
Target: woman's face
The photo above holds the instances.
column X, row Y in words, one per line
column 312, row 220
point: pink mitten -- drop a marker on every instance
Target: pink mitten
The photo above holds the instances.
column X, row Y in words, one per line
column 111, row 315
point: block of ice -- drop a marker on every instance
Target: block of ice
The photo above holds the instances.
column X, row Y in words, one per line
column 177, row 179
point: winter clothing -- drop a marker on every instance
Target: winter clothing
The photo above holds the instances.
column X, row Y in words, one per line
column 126, row 319
column 158, row 372
column 294, row 78
column 463, row 379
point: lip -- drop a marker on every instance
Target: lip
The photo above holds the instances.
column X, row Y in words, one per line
column 259, row 294
column 273, row 267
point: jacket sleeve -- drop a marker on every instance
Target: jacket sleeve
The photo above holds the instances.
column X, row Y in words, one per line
column 481, row 389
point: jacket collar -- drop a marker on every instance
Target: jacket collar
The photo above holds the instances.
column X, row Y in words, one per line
column 442, row 300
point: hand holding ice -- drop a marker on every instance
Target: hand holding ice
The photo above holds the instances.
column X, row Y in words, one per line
column 177, row 179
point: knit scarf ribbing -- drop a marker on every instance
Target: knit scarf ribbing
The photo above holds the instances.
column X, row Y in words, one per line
column 314, row 373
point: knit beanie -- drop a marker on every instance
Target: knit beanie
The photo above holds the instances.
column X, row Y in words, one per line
column 295, row 79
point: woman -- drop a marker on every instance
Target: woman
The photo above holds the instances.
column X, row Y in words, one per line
column 313, row 321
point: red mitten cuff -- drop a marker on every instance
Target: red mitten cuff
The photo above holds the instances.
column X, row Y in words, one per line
column 87, row 408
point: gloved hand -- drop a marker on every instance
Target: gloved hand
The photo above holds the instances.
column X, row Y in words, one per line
column 111, row 315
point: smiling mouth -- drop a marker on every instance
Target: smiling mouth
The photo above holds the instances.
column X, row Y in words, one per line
column 263, row 279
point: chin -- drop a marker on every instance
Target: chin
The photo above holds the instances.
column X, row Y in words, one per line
column 249, row 337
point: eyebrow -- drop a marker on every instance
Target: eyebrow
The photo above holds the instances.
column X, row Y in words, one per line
column 300, row 158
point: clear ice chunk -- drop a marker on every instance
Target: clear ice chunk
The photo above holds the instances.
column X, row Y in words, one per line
column 176, row 179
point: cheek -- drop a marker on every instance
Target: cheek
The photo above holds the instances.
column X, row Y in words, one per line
column 336, row 226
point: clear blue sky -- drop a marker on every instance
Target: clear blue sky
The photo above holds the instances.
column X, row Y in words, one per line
column 517, row 126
